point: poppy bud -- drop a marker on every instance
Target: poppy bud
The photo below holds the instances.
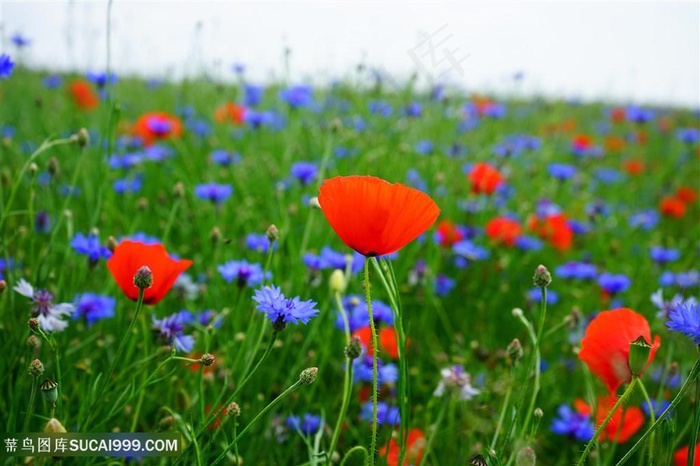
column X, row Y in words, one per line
column 639, row 355
column 166, row 423
column 337, row 281
column 143, row 278
column 477, row 460
column 308, row 376
column 542, row 277
column 538, row 413
column 179, row 190
column 82, row 137
column 313, row 202
column 49, row 389
column 215, row 235
column 54, row 426
column 33, row 168
column 111, row 243
column 36, row 368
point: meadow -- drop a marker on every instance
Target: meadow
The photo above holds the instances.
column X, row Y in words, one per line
column 239, row 338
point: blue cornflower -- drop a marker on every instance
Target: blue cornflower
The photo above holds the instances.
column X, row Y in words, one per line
column 358, row 314
column 50, row 315
column 443, row 285
column 171, row 328
column 244, row 273
column 308, row 425
column 282, row 310
column 561, row 171
column 385, row 414
column 644, row 219
column 685, row 318
column 224, row 157
column 608, row 175
column 413, row 110
column 424, row 146
column 6, row 66
column 662, row 255
column 19, row 40
column 639, row 115
column 42, row 222
column 470, row 251
column 297, row 96
column 659, row 406
column 534, row 295
column 93, row 307
column 378, row 107
column 577, row 270
column 213, row 192
column 454, row 380
column 4, row 266
column 257, row 119
column 90, row 246
column 614, row 283
column 688, row 135
column 101, row 79
column 199, row 127
column 667, row 278
column 126, row 185
column 576, row 425
column 665, row 307
column 126, row 161
column 157, row 153
column 688, row 279
column 305, row 172
column 253, row 94
column 529, row 243
column 52, row 81
column 415, row 180
column 259, row 243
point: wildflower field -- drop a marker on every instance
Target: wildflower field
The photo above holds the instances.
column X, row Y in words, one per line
column 218, row 261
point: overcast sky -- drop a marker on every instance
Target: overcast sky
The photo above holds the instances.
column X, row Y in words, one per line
column 627, row 52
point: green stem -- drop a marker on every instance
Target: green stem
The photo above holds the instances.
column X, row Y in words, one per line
column 692, row 378
column 142, row 393
column 267, row 408
column 652, row 419
column 502, row 416
column 347, row 381
column 696, row 425
column 434, row 427
column 538, row 349
column 30, row 408
column 375, row 352
column 235, row 445
column 600, row 428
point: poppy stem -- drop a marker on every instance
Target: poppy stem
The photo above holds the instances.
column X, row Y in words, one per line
column 599, row 430
column 692, row 451
column 652, row 419
column 347, row 382
column 693, row 377
column 375, row 351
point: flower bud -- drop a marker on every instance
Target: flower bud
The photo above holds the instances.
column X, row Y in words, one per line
column 514, row 350
column 517, row 312
column 542, row 277
column 49, row 390
column 272, row 233
column 33, row 168
column 143, row 278
column 233, row 409
column 308, row 376
column 36, row 368
column 33, row 323
column 526, row 457
column 82, row 137
column 54, row 426
column 166, row 423
column 3, row 286
column 112, row 243
column 208, row 359
column 53, row 167
column 215, row 235
column 353, row 350
column 33, row 341
column 337, row 281
column 538, row 413
column 179, row 190
column 639, row 355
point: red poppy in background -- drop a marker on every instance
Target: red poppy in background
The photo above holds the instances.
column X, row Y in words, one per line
column 553, row 228
column 618, row 114
column 387, row 341
column 415, row 443
column 129, row 256
column 504, row 230
column 373, row 216
column 672, row 207
column 156, row 126
column 605, row 347
column 581, row 142
column 448, row 234
column 484, row 178
column 230, row 112
column 625, row 422
column 83, row 95
column 686, row 194
column 680, row 457
column 633, row 166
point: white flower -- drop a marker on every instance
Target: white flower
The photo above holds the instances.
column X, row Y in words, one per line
column 50, row 315
column 455, row 380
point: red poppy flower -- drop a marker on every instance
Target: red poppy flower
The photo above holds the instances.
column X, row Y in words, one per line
column 484, row 178
column 230, row 112
column 373, row 216
column 129, row 256
column 633, row 166
column 448, row 234
column 623, row 424
column 686, row 194
column 387, row 341
column 155, row 126
column 555, row 229
column 582, row 142
column 606, row 345
column 83, row 95
column 672, row 207
column 680, row 458
column 415, row 441
column 504, row 230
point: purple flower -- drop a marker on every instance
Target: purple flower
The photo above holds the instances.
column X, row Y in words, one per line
column 358, row 314
column 259, row 243
column 244, row 273
column 4, row 266
column 659, row 406
column 561, row 171
column 213, row 192
column 639, row 115
column 101, row 79
column 282, row 310
column 6, row 66
column 425, row 146
column 19, row 40
column 687, row 279
column 52, row 81
column 50, row 315
column 573, row 424
column 378, row 107
column 688, row 135
column 528, row 243
column 253, row 95
column 90, row 246
column 225, row 158
column 614, row 283
column 644, row 219
column 42, row 222
column 257, row 119
column 413, row 110
column 127, row 185
column 305, row 172
column 308, row 425
column 297, row 96
column 577, row 270
column 685, row 318
column 468, row 250
column 534, row 295
column 93, row 307
column 663, row 255
column 665, row 307
column 443, row 285
column 608, row 175
column 171, row 329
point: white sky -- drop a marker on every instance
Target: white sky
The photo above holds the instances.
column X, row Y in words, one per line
column 627, row 52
